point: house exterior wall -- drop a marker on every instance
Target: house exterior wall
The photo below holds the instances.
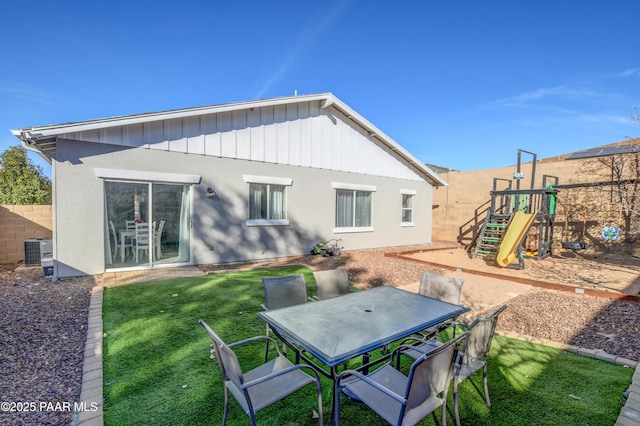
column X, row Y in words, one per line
column 219, row 230
column 18, row 223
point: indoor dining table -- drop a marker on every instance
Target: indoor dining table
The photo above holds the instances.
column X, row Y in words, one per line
column 339, row 329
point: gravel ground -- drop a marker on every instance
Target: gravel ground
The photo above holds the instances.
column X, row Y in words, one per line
column 588, row 322
column 44, row 326
column 42, row 341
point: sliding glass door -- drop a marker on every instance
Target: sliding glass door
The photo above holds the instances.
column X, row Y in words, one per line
column 146, row 224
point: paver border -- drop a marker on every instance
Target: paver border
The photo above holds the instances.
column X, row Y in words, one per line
column 91, row 393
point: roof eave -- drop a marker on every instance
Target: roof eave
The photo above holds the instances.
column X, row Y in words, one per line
column 30, row 144
column 126, row 120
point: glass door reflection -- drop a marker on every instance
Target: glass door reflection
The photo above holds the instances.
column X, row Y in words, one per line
column 146, row 224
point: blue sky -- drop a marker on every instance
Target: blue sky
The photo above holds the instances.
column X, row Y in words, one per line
column 461, row 84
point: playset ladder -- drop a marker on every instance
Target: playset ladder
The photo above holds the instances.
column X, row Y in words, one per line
column 491, row 234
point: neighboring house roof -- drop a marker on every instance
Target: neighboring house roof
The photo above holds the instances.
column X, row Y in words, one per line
column 43, row 139
column 440, row 169
column 627, row 146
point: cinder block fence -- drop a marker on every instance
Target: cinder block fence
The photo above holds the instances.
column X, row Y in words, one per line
column 19, row 223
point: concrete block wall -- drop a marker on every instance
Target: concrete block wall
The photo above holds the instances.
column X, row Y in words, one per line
column 18, row 223
column 461, row 204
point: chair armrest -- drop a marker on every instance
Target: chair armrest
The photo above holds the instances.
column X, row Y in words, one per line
column 373, row 383
column 454, row 325
column 253, row 339
column 280, row 373
column 415, row 347
column 457, row 324
column 409, row 342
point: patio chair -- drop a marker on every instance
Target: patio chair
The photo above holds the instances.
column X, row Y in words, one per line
column 476, row 353
column 447, row 289
column 264, row 385
column 400, row 399
column 280, row 292
column 441, row 287
column 331, row 283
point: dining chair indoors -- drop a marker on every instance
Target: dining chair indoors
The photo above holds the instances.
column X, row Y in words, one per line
column 141, row 239
column 331, row 283
column 264, row 385
column 405, row 400
column 130, row 225
column 281, row 292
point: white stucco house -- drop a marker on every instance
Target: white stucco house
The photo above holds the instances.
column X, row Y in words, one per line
column 228, row 183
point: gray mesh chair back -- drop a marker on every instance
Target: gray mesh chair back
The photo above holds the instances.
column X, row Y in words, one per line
column 476, row 352
column 287, row 290
column 331, row 283
column 280, row 292
column 440, row 287
column 405, row 400
column 264, row 385
column 227, row 359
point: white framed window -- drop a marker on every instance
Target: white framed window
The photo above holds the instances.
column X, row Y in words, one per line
column 267, row 200
column 408, row 197
column 354, row 207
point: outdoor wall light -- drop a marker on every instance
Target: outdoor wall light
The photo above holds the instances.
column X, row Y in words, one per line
column 210, row 192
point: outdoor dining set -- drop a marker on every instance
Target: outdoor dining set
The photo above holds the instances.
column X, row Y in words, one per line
column 338, row 326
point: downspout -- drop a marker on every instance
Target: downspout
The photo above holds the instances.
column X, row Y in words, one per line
column 54, row 221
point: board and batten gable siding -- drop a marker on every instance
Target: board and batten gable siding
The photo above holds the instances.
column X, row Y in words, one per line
column 297, row 134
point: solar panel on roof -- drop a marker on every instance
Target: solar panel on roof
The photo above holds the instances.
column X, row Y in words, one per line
column 603, row 152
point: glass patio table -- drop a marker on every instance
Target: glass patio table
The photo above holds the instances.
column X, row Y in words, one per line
column 339, row 329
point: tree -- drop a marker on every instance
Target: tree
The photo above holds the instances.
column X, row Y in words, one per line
column 22, row 181
column 612, row 197
column 625, row 176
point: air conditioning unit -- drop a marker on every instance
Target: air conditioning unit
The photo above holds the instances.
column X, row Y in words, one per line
column 35, row 249
column 32, row 252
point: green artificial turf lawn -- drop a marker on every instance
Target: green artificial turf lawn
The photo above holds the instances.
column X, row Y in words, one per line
column 158, row 370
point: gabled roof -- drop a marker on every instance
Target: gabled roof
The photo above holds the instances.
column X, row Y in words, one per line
column 42, row 139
